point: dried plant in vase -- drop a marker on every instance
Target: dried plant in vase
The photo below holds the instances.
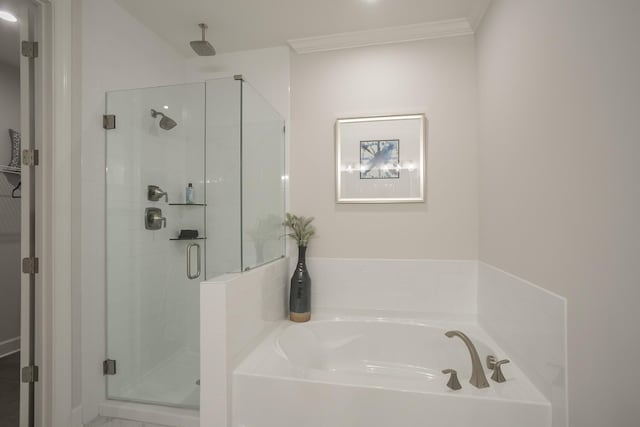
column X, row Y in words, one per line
column 301, row 229
column 300, row 293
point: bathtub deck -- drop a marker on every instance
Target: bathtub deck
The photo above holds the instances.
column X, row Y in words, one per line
column 270, row 391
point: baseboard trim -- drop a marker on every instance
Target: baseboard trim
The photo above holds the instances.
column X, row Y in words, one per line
column 9, row 346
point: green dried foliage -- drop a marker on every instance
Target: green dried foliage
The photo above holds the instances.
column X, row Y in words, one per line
column 301, row 229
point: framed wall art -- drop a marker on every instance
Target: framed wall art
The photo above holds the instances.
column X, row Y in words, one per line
column 380, row 159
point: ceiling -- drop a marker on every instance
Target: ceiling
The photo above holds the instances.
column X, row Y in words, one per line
column 236, row 25
column 9, row 35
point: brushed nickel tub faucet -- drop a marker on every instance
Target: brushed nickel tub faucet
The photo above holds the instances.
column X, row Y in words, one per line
column 478, row 379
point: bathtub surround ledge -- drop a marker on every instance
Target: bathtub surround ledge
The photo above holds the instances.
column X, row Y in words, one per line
column 530, row 324
column 236, row 312
column 414, row 285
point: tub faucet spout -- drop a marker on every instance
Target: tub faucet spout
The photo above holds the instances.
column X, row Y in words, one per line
column 478, row 379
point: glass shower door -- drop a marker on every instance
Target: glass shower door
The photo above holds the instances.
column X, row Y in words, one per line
column 155, row 243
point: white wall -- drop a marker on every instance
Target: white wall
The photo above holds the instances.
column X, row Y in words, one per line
column 435, row 77
column 117, row 53
column 559, row 193
column 9, row 214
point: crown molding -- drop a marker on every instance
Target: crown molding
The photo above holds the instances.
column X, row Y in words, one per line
column 476, row 17
column 405, row 33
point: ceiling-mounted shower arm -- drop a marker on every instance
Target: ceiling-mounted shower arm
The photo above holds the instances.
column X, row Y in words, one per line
column 204, row 27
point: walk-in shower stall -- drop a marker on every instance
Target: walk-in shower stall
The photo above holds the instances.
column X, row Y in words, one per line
column 195, row 179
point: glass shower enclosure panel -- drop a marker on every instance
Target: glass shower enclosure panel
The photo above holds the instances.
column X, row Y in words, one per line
column 224, row 148
column 245, row 177
column 155, row 243
column 263, row 180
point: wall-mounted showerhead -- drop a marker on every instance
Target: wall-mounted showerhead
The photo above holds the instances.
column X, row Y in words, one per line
column 203, row 47
column 166, row 123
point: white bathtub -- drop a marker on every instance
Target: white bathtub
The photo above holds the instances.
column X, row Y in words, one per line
column 379, row 371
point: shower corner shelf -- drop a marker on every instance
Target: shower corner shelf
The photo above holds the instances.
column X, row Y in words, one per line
column 193, row 238
column 187, row 204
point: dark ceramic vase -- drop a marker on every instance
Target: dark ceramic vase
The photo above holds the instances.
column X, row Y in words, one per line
column 300, row 293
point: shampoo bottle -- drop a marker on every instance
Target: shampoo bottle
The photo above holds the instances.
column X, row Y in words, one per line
column 189, row 196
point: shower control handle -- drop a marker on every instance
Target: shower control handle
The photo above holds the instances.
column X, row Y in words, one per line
column 198, row 261
column 155, row 193
column 153, row 219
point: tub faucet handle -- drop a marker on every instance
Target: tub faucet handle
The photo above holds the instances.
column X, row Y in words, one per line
column 496, row 365
column 453, row 383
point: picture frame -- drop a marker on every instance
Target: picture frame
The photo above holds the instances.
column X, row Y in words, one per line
column 381, row 159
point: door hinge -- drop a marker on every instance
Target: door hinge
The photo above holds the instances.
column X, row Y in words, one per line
column 109, row 121
column 109, row 367
column 30, row 374
column 29, row 49
column 30, row 157
column 30, row 265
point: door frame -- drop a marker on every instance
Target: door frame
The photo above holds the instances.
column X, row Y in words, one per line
column 56, row 81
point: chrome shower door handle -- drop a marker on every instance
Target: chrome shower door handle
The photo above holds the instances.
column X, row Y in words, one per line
column 198, row 261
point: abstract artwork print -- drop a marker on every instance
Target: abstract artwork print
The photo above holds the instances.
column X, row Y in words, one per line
column 380, row 159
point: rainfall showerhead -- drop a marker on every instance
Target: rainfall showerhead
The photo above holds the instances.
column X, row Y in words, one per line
column 166, row 123
column 203, row 47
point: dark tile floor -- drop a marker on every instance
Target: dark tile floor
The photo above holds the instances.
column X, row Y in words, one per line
column 10, row 390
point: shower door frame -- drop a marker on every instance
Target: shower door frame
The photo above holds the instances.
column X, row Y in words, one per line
column 47, row 211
